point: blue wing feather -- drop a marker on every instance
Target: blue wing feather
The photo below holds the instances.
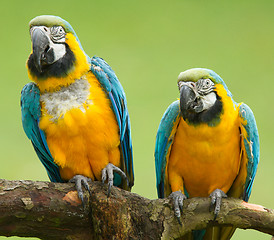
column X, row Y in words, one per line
column 252, row 147
column 115, row 93
column 31, row 112
column 164, row 139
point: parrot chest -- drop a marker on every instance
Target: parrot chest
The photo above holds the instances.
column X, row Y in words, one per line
column 58, row 103
column 206, row 158
column 81, row 128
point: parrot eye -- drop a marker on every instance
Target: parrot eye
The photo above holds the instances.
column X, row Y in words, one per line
column 207, row 82
column 57, row 34
column 205, row 86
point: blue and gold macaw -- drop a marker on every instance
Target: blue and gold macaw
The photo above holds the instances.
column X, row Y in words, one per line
column 75, row 110
column 207, row 145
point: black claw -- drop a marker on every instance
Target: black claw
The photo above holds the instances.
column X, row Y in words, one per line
column 216, row 199
column 81, row 196
column 120, row 172
column 179, row 221
column 86, row 187
column 89, row 192
column 178, row 202
column 80, row 180
column 213, row 200
column 110, row 184
column 109, row 188
column 181, row 204
column 107, row 173
column 212, row 203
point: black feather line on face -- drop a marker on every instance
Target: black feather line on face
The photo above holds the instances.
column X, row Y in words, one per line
column 210, row 116
column 59, row 68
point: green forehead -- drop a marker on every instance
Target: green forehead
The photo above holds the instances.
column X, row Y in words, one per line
column 49, row 21
column 195, row 74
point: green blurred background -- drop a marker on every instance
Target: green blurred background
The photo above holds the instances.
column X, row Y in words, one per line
column 148, row 43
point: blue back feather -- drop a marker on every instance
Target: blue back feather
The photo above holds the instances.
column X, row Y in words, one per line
column 252, row 147
column 115, row 93
column 31, row 112
column 164, row 141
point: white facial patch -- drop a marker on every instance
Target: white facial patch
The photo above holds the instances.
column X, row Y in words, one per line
column 73, row 96
column 59, row 50
column 208, row 100
column 59, row 47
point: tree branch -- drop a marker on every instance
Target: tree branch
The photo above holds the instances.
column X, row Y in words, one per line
column 53, row 211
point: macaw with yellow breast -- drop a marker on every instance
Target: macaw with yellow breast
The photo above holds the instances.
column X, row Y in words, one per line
column 207, row 145
column 75, row 110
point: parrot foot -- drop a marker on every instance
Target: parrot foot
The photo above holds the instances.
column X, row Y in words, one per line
column 178, row 201
column 80, row 180
column 216, row 199
column 107, row 172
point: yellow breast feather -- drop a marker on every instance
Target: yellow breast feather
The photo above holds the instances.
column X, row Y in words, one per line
column 204, row 158
column 85, row 139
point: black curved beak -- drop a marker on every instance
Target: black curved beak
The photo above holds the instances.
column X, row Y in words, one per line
column 187, row 97
column 42, row 53
column 189, row 100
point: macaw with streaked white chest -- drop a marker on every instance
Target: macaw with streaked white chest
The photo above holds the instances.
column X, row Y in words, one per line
column 75, row 110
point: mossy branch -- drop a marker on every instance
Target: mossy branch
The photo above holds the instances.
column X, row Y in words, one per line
column 53, row 211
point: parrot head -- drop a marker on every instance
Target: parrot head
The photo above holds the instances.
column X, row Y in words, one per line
column 56, row 50
column 201, row 95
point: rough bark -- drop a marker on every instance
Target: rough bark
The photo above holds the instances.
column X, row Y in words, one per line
column 53, row 211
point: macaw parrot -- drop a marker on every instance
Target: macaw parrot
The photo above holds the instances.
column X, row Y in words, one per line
column 75, row 111
column 207, row 145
